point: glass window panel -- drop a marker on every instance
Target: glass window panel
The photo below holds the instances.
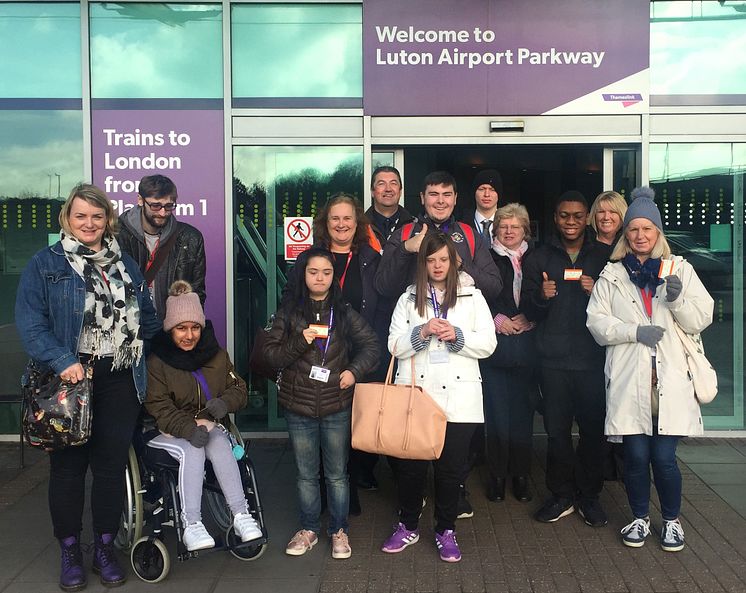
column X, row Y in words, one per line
column 270, row 183
column 695, row 48
column 40, row 49
column 41, row 158
column 150, row 51
column 298, row 50
column 702, row 206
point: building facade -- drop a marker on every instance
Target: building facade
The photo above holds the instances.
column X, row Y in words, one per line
column 261, row 110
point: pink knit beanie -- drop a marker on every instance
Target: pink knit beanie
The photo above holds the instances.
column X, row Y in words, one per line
column 182, row 305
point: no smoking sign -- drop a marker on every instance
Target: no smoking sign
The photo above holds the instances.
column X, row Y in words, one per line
column 298, row 235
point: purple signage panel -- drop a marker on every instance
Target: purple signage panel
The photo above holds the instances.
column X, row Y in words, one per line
column 505, row 57
column 186, row 146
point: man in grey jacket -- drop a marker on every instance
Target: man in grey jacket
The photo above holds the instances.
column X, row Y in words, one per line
column 164, row 248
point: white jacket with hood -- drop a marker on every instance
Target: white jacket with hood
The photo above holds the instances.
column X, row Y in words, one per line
column 615, row 311
column 456, row 386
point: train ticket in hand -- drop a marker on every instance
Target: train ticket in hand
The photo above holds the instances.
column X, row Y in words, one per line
column 666, row 268
column 573, row 274
column 322, row 331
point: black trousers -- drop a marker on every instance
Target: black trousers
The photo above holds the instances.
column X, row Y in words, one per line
column 509, row 401
column 579, row 396
column 449, row 471
column 115, row 412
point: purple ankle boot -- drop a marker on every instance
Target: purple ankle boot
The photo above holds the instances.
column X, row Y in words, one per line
column 105, row 561
column 72, row 573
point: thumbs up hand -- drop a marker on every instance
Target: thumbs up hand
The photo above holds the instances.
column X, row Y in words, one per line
column 548, row 287
column 412, row 245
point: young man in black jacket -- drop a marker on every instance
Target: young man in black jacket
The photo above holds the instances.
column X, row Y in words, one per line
column 558, row 278
column 164, row 248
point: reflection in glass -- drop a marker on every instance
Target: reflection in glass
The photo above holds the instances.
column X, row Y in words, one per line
column 702, row 205
column 147, row 51
column 40, row 48
column 697, row 48
column 41, row 158
column 270, row 183
column 298, row 50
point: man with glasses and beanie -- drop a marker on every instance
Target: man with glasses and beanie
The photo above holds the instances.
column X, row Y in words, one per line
column 164, row 248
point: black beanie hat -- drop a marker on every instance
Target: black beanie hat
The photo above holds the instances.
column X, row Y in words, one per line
column 490, row 177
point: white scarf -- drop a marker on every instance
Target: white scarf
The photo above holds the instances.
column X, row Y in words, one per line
column 515, row 259
column 112, row 313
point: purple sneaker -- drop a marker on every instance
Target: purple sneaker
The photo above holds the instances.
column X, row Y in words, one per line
column 448, row 546
column 400, row 539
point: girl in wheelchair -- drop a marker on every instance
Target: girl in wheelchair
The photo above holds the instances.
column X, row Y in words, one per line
column 191, row 390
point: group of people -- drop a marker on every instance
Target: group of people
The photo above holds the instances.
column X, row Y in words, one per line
column 581, row 327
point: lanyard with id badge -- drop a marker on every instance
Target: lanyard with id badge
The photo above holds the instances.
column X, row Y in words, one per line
column 440, row 354
column 320, row 373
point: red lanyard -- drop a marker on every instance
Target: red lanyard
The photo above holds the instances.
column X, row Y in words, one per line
column 647, row 299
column 344, row 274
column 152, row 254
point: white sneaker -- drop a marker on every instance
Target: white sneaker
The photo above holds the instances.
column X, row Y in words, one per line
column 246, row 527
column 196, row 537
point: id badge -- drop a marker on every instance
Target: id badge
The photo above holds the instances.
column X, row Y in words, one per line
column 319, row 374
column 439, row 356
column 573, row 274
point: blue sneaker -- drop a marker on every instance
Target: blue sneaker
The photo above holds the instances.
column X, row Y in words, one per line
column 634, row 534
column 400, row 539
column 672, row 536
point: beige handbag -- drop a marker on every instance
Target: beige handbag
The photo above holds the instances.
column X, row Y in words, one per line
column 398, row 420
column 703, row 376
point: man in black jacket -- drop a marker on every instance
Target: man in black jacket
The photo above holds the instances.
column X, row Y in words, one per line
column 386, row 215
column 399, row 262
column 558, row 278
column 164, row 248
column 487, row 189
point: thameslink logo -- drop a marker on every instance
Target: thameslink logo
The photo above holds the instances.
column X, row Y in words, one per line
column 626, row 99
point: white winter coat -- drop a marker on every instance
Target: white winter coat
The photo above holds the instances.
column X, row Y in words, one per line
column 456, row 385
column 615, row 311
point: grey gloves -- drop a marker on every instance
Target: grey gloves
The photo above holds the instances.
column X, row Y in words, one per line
column 649, row 335
column 217, row 408
column 673, row 287
column 199, row 437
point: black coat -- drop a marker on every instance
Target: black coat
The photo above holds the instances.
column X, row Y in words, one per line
column 563, row 338
column 353, row 347
column 397, row 268
column 403, row 217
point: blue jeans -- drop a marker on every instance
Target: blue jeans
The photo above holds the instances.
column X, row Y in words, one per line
column 330, row 434
column 642, row 451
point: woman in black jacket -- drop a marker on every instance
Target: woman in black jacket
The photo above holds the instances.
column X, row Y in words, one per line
column 509, row 384
column 324, row 347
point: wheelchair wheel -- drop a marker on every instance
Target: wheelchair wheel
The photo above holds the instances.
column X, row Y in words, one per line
column 244, row 551
column 130, row 529
column 150, row 560
column 218, row 509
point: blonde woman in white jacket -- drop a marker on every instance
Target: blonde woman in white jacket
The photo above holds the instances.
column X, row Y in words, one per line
column 444, row 326
column 650, row 400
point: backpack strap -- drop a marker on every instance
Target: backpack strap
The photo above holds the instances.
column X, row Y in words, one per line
column 469, row 234
column 406, row 231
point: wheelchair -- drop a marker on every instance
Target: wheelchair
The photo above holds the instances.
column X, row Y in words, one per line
column 151, row 502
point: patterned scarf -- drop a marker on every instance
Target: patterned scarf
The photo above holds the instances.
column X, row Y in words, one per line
column 515, row 259
column 112, row 313
column 643, row 275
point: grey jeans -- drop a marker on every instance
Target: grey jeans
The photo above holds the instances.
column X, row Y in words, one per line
column 192, row 468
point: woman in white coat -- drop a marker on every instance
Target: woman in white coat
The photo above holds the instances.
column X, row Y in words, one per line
column 444, row 326
column 650, row 400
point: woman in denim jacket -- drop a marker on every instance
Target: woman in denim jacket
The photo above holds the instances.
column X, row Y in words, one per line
column 82, row 299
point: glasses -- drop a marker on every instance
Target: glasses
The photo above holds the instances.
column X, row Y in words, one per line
column 157, row 206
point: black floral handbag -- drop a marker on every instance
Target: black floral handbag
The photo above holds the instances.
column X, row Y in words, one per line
column 56, row 413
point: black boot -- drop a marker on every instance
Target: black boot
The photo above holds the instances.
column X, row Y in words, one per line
column 496, row 489
column 520, row 489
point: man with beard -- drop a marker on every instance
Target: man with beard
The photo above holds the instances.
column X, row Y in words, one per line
column 164, row 248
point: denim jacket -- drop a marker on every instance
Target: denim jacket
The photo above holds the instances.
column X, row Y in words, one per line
column 49, row 311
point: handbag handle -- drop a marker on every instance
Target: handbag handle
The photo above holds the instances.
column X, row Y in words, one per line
column 382, row 403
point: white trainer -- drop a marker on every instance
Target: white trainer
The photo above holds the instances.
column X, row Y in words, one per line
column 246, row 527
column 196, row 537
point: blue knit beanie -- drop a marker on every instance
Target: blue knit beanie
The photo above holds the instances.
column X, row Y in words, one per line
column 641, row 205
